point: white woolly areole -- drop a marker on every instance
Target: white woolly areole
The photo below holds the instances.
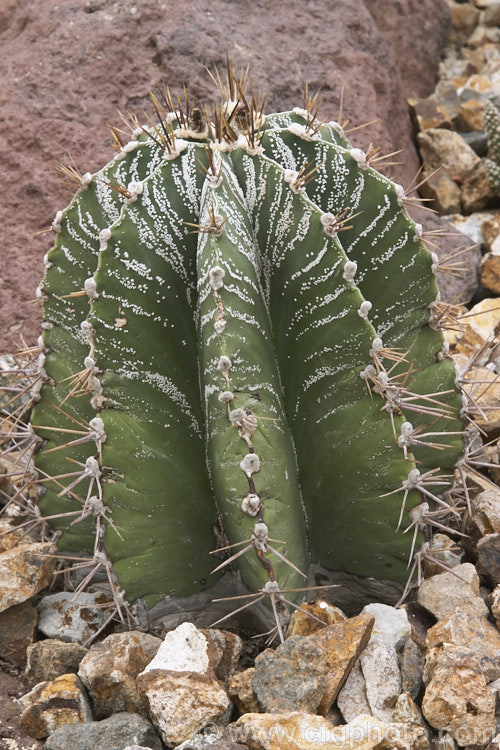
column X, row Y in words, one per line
column 40, row 362
column 224, row 364
column 419, row 231
column 301, row 131
column 216, row 276
column 250, row 464
column 225, row 397
column 46, row 262
column 251, row 504
column 329, row 223
column 47, row 325
column 290, row 176
column 136, row 133
column 368, row 372
column 261, row 531
column 359, row 157
column 88, row 330
column 435, row 262
column 127, row 148
column 300, row 112
column 364, row 309
column 180, row 146
column 41, row 344
column 350, row 269
column 237, row 416
column 104, row 237
column 89, row 363
column 90, row 287
column 245, row 143
column 92, row 468
column 337, row 127
column 219, row 326
column 85, row 181
column 213, row 180
column 377, row 345
column 413, row 478
column 400, row 194
column 56, row 224
column 97, row 434
column 135, row 189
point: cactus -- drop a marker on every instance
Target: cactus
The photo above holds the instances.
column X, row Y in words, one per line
column 241, row 323
column 492, row 126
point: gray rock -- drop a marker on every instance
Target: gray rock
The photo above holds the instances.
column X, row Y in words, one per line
column 67, row 620
column 443, row 594
column 51, row 658
column 380, row 667
column 488, row 550
column 352, row 700
column 446, row 150
column 391, row 625
column 114, row 733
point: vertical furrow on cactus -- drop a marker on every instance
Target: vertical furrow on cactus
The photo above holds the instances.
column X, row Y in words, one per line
column 309, row 283
column 245, row 418
column 385, row 244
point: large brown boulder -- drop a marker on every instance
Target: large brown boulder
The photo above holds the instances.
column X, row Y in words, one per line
column 67, row 68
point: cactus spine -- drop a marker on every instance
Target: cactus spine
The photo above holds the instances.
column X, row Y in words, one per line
column 240, row 321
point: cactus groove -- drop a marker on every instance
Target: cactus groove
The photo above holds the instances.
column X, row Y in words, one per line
column 240, row 327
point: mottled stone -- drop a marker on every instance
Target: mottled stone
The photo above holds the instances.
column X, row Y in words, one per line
column 25, row 569
column 227, row 648
column 491, row 15
column 474, row 633
column 352, row 700
column 181, row 703
column 114, row 733
column 495, row 605
column 428, row 113
column 443, row 192
column 490, row 272
column 304, row 624
column 412, row 667
column 109, row 669
column 491, row 229
column 380, row 667
column 241, row 692
column 391, row 625
column 485, row 511
column 61, row 617
column 52, row 658
column 488, row 552
column 301, row 731
column 456, row 698
column 447, row 151
column 444, row 593
column 444, row 552
column 470, row 116
column 464, row 17
column 52, row 704
column 479, row 327
column 17, row 632
column 476, row 192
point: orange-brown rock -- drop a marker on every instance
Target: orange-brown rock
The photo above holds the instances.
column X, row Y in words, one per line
column 52, row 704
column 301, row 622
column 476, row 634
column 241, row 692
column 428, row 113
column 491, row 230
column 476, row 192
column 470, row 116
column 25, row 569
column 490, row 272
column 478, row 326
column 51, row 658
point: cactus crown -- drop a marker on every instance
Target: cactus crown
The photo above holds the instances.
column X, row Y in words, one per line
column 492, row 126
column 241, row 322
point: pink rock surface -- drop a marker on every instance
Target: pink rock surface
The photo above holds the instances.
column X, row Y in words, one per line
column 67, row 68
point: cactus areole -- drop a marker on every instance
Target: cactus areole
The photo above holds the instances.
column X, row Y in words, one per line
column 240, row 328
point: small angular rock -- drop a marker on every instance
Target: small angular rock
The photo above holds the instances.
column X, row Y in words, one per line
column 380, row 668
column 17, row 632
column 476, row 192
column 241, row 692
column 391, row 624
column 485, row 509
column 61, row 617
column 352, row 700
column 109, row 669
column 114, row 733
column 456, row 698
column 52, row 658
column 488, row 551
column 446, row 150
column 490, row 272
column 52, row 704
column 428, row 113
column 412, row 667
column 25, row 569
column 444, row 593
column 181, row 703
column 475, row 633
column 302, row 624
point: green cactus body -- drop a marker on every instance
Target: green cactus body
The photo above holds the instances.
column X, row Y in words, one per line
column 492, row 126
column 232, row 345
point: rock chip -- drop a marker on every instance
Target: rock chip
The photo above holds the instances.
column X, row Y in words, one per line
column 380, row 668
column 114, row 733
column 109, row 669
column 17, row 632
column 52, row 704
column 447, row 151
column 490, row 272
column 443, row 551
column 491, row 231
column 470, row 116
column 241, row 692
column 464, row 18
column 25, row 569
column 444, row 593
column 479, row 327
column 476, row 192
column 475, row 633
column 352, row 700
column 443, row 192
column 495, row 605
column 67, row 620
column 456, row 698
column 314, row 668
column 485, row 509
column 488, row 551
column 52, row 658
column 428, row 113
column 391, row 625
column 302, row 731
column 303, row 624
column 412, row 664
column 182, row 703
column 227, row 647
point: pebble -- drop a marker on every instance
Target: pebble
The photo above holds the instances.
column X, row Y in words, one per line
column 456, row 698
column 17, row 632
column 61, row 617
column 391, row 625
column 25, row 569
column 53, row 703
column 444, row 593
column 475, row 633
column 109, row 669
column 115, row 733
column 182, row 703
column 52, row 658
